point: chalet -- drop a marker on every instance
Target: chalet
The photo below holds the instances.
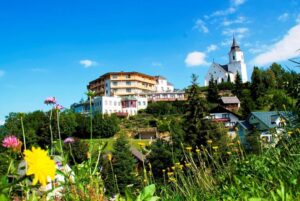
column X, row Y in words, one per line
column 223, row 115
column 264, row 122
column 231, row 103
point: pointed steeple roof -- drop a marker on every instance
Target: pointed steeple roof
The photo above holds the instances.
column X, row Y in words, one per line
column 234, row 45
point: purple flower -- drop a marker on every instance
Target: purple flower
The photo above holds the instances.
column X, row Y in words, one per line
column 69, row 140
column 12, row 142
column 50, row 101
column 58, row 107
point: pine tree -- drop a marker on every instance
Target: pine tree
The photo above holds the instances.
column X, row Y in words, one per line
column 123, row 164
column 195, row 112
column 238, row 85
column 212, row 91
column 257, row 87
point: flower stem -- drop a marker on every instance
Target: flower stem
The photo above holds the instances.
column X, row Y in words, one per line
column 23, row 133
column 59, row 136
column 50, row 127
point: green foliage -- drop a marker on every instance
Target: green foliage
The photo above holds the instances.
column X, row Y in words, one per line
column 195, row 112
column 123, row 165
column 76, row 151
column 212, row 91
column 238, row 85
column 165, row 108
column 105, row 126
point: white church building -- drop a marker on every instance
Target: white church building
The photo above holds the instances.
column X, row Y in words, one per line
column 220, row 73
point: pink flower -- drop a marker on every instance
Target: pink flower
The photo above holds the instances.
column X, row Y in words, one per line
column 69, row 140
column 50, row 100
column 12, row 142
column 58, row 107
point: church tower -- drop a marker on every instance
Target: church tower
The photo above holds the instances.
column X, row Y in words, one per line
column 236, row 60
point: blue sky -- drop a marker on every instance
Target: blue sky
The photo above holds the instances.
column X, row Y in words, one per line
column 55, row 47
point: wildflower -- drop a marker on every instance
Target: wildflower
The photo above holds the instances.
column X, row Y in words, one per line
column 170, row 173
column 198, row 151
column 209, row 141
column 88, row 155
column 230, row 144
column 109, row 156
column 177, row 164
column 173, row 167
column 215, row 147
column 229, row 153
column 188, row 165
column 59, row 107
column 69, row 140
column 188, row 148
column 290, row 133
column 39, row 164
column 50, row 101
column 12, row 142
column 172, row 179
column 141, row 144
column 163, row 170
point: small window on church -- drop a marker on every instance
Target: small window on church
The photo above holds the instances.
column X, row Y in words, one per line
column 233, row 57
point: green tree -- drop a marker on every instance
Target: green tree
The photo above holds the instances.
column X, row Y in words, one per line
column 123, row 164
column 195, row 112
column 212, row 91
column 238, row 85
column 257, row 87
column 105, row 126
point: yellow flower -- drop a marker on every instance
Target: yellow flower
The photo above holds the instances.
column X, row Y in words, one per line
column 172, row 179
column 142, row 144
column 209, row 141
column 229, row 153
column 170, row 173
column 188, row 148
column 198, row 151
column 164, row 170
column 39, row 164
column 109, row 156
column 188, row 165
column 215, row 147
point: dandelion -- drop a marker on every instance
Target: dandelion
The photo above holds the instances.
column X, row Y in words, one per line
column 12, row 142
column 209, row 141
column 172, row 179
column 215, row 147
column 170, row 174
column 198, row 151
column 50, row 101
column 39, row 164
column 141, row 144
column 109, row 156
column 188, row 148
column 69, row 140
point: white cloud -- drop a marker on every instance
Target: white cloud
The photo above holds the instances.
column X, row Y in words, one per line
column 2, row 73
column 200, row 25
column 237, row 2
column 1, row 122
column 228, row 11
column 87, row 63
column 284, row 17
column 157, row 64
column 196, row 59
column 238, row 20
column 284, row 49
column 211, row 48
column 238, row 32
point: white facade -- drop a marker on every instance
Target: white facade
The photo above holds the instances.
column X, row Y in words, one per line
column 231, row 118
column 115, row 104
column 220, row 73
column 165, row 96
column 162, row 85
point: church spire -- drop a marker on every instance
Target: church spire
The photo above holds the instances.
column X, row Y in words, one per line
column 234, row 45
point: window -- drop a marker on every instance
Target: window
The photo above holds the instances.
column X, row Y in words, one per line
column 225, row 116
column 273, row 119
column 128, row 83
column 115, row 83
column 127, row 76
column 115, row 103
column 128, row 90
column 139, row 102
column 115, row 76
column 144, row 102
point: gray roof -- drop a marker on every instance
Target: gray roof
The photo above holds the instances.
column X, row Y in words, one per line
column 230, row 100
column 266, row 117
